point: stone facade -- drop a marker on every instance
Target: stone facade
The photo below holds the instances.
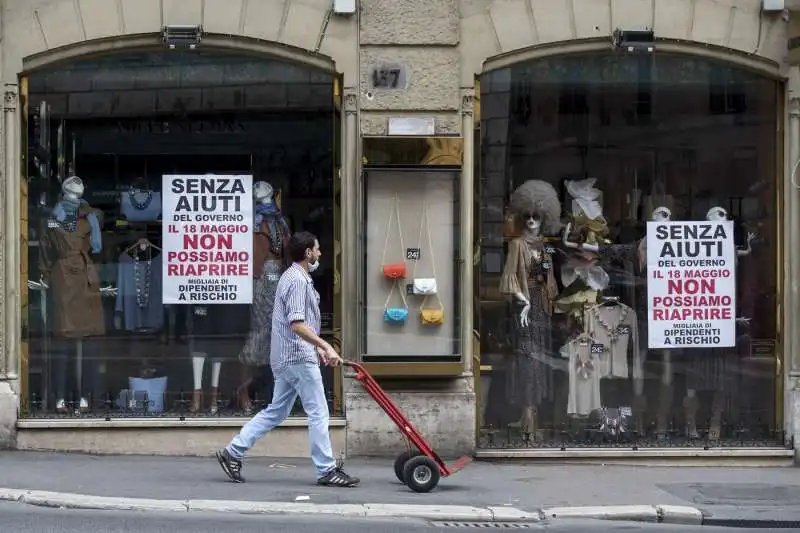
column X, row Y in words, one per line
column 443, row 45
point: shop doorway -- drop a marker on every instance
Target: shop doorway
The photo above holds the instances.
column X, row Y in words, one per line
column 119, row 123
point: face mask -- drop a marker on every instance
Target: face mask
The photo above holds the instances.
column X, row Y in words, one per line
column 313, row 266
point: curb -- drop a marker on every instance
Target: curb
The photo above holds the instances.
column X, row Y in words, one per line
column 366, row 510
column 667, row 514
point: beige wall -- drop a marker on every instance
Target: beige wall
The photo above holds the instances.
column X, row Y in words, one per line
column 34, row 26
column 458, row 37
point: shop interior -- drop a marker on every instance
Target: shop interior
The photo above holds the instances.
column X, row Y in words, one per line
column 577, row 154
column 119, row 123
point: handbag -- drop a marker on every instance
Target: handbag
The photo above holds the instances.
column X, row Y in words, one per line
column 394, row 270
column 431, row 316
column 425, row 286
column 395, row 315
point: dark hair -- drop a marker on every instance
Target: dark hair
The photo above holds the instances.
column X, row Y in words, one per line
column 299, row 243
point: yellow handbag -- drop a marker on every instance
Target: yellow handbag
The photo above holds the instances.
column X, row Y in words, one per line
column 431, row 316
column 427, row 287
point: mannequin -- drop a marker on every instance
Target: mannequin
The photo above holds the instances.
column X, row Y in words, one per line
column 710, row 372
column 666, row 391
column 198, row 364
column 73, row 232
column 270, row 234
column 528, row 277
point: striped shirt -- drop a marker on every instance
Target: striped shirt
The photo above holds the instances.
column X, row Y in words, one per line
column 296, row 300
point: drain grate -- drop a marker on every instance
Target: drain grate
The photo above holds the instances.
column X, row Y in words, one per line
column 486, row 525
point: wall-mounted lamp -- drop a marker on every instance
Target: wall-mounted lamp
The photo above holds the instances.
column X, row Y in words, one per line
column 182, row 37
column 634, row 41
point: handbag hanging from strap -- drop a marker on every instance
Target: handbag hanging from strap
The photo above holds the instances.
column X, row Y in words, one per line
column 394, row 270
column 395, row 315
column 425, row 286
column 431, row 316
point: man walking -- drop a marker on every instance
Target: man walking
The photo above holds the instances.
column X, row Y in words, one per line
column 295, row 356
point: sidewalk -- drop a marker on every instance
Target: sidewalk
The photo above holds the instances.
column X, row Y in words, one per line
column 719, row 493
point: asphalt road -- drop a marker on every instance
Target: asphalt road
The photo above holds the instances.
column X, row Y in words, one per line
column 21, row 518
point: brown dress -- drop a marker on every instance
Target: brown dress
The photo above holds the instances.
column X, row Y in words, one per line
column 530, row 377
column 65, row 265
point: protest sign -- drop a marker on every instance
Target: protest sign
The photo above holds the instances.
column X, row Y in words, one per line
column 207, row 238
column 691, row 284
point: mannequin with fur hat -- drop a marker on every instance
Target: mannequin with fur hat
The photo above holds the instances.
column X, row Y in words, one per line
column 528, row 277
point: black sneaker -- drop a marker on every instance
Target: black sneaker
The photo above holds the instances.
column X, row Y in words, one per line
column 338, row 478
column 232, row 467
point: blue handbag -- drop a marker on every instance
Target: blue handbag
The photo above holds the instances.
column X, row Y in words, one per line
column 395, row 315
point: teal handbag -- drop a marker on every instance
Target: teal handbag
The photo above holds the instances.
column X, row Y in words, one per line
column 395, row 315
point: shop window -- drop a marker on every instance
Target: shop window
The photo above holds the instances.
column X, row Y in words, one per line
column 563, row 315
column 100, row 342
column 411, row 276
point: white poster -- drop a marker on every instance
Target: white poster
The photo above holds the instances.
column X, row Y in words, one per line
column 691, row 284
column 207, row 239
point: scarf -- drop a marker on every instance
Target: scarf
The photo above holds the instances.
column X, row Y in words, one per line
column 66, row 212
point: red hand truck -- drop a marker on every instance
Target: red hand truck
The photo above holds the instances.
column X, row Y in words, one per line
column 419, row 467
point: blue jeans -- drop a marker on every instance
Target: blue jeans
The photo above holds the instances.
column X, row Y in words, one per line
column 304, row 379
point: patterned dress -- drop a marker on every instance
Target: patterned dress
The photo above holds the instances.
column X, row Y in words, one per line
column 528, row 270
column 270, row 237
column 256, row 348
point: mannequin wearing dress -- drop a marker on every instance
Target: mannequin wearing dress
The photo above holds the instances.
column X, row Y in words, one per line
column 270, row 234
column 528, row 277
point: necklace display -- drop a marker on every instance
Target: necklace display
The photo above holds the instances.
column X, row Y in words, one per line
column 613, row 331
column 136, row 203
column 274, row 234
column 142, row 278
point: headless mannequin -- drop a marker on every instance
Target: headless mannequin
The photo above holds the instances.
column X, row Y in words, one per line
column 691, row 403
column 531, row 242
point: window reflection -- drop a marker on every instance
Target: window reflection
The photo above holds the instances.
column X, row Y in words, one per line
column 605, row 141
column 100, row 341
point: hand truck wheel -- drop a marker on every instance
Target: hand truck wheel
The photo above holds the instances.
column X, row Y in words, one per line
column 401, row 461
column 421, row 474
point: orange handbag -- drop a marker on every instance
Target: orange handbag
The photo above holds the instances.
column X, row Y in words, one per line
column 397, row 270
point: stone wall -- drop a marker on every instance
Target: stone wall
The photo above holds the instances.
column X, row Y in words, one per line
column 8, row 415
column 443, row 45
column 35, row 26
